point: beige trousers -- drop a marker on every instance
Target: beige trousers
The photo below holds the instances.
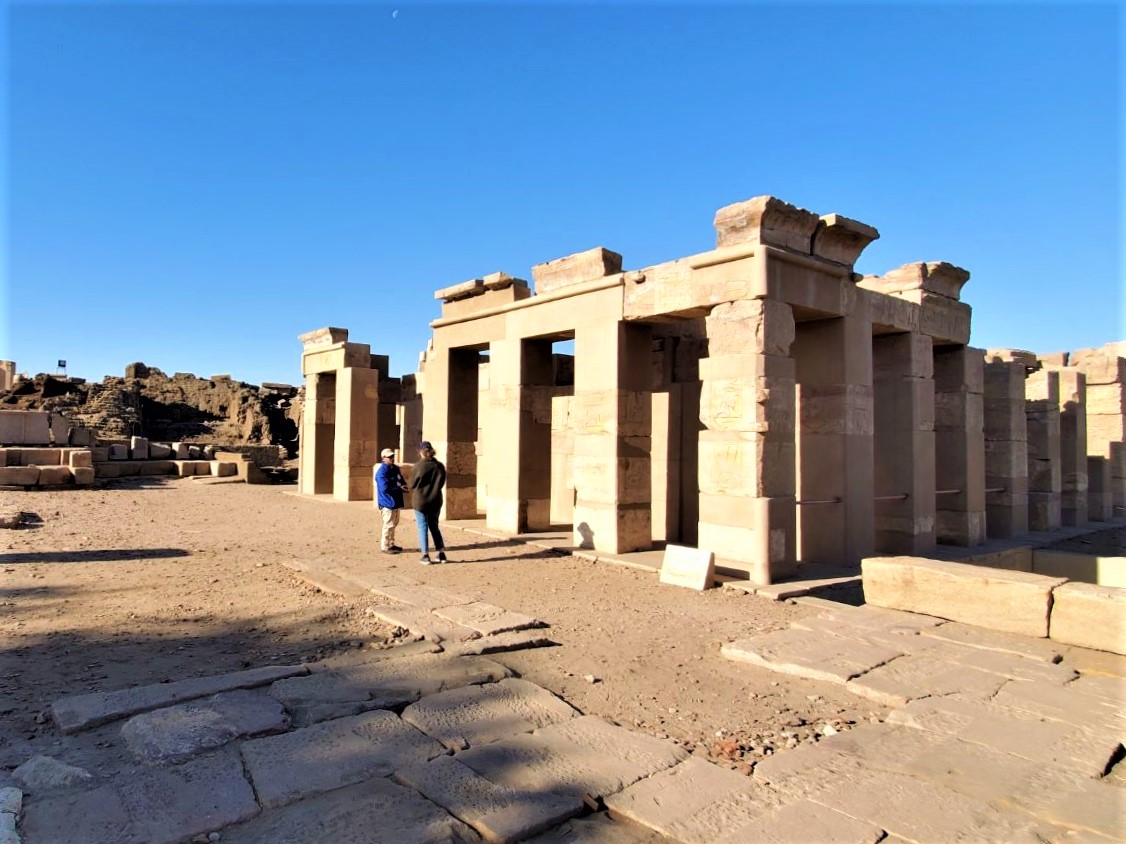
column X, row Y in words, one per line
column 390, row 522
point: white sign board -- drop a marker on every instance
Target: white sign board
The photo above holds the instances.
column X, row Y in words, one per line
column 693, row 568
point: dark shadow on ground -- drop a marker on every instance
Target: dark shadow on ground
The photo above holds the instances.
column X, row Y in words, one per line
column 109, row 555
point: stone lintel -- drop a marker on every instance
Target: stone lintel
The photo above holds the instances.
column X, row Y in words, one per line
column 573, row 269
column 842, row 239
column 1025, row 358
column 766, row 219
column 326, row 336
column 463, row 290
column 936, row 277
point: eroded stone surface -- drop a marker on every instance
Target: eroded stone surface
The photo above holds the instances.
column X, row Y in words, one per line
column 498, row 813
column 11, row 800
column 147, row 806
column 326, row 756
column 487, row 619
column 187, row 729
column 42, row 773
column 374, row 812
column 1042, row 650
column 80, row 712
column 909, row 677
column 512, row 641
column 598, row 829
column 803, row 653
column 423, row 623
column 476, row 715
column 582, row 756
column 422, row 596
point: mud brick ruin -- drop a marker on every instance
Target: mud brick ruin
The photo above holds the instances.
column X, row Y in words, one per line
column 759, row 400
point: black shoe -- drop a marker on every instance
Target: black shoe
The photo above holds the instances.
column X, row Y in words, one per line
column 442, row 557
column 391, row 550
column 395, row 549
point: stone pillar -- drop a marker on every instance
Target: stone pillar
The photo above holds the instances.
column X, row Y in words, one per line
column 1006, row 450
column 356, row 441
column 1100, row 506
column 517, row 435
column 746, row 459
column 903, row 393
column 456, row 424
column 1042, row 409
column 318, row 427
column 834, row 375
column 612, row 437
column 7, row 374
column 959, row 433
column 1106, row 414
column 1073, row 446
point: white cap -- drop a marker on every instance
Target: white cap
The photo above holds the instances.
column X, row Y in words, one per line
column 387, row 453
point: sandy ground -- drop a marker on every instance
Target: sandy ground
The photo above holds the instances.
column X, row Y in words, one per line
column 153, row 580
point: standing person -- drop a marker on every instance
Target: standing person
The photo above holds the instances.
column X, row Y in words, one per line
column 389, row 489
column 427, row 479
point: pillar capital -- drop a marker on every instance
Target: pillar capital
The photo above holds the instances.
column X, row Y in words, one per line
column 842, row 239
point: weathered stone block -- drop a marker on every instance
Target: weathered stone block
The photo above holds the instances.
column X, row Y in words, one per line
column 768, row 220
column 693, row 568
column 83, row 475
column 1089, row 616
column 24, row 427
column 138, row 448
column 573, row 269
column 80, row 458
column 1012, row 601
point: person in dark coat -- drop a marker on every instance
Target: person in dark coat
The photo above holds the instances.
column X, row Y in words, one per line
column 428, row 477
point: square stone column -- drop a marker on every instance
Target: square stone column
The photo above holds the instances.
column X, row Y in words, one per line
column 612, row 424
column 458, row 425
column 903, row 393
column 835, row 442
column 318, row 427
column 1106, row 414
column 1073, row 446
column 517, row 431
column 1042, row 409
column 1006, row 450
column 959, row 433
column 1100, row 504
column 356, row 446
column 746, row 464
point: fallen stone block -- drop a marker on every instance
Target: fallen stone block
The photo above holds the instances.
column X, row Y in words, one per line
column 692, row 568
column 81, row 712
column 584, row 757
column 40, row 456
column 10, row 519
column 150, row 805
column 160, row 451
column 138, row 448
column 1010, row 601
column 377, row 811
column 80, row 458
column 179, row 732
column 1089, row 616
column 11, row 800
column 316, row 759
column 25, row 426
column 156, row 467
column 107, row 470
column 19, row 475
column 195, row 452
column 498, row 813
column 475, row 715
column 180, row 451
column 55, row 475
column 221, row 469
column 118, row 451
column 369, row 656
column 486, row 619
column 802, row 653
column 83, row 476
column 81, row 436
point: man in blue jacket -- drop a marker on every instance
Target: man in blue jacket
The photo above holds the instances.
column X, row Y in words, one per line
column 389, row 488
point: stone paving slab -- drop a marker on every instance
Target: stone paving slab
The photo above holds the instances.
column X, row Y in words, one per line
column 327, row 756
column 498, row 813
column 1009, row 665
column 325, row 580
column 179, row 732
column 1064, row 703
column 584, row 756
column 486, row 619
column 44, row 773
column 377, row 811
column 81, row 712
column 1042, row 650
column 923, row 812
column 1086, row 805
column 366, row 656
column 8, row 834
column 11, row 800
column 598, row 829
column 1022, row 734
column 803, row 653
column 678, row 793
column 911, row 677
column 477, row 715
column 423, row 623
column 329, row 694
column 146, row 806
column 420, row 595
column 869, row 619
column 363, row 575
column 800, row 822
column 500, row 643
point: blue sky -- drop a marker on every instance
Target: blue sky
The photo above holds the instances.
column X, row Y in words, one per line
column 195, row 184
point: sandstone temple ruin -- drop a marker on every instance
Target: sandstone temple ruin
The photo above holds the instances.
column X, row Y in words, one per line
column 759, row 400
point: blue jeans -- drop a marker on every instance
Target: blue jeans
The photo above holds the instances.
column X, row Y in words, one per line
column 428, row 521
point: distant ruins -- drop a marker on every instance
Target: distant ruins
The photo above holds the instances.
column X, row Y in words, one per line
column 759, row 400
